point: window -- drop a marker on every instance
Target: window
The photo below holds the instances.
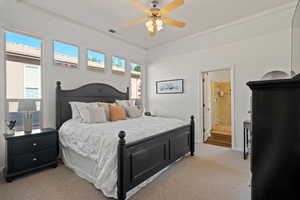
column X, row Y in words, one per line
column 65, row 54
column 136, row 82
column 96, row 60
column 32, row 82
column 23, row 76
column 31, row 93
column 118, row 64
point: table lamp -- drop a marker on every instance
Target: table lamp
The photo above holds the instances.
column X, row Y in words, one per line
column 27, row 106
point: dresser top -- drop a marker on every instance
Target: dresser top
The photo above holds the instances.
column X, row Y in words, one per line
column 282, row 83
column 34, row 132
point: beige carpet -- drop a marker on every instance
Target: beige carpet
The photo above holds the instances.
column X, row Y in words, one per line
column 215, row 173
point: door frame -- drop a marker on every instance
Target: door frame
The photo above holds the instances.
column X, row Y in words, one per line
column 231, row 69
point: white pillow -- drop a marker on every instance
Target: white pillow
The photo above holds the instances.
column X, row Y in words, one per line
column 80, row 110
column 75, row 111
column 96, row 115
column 134, row 112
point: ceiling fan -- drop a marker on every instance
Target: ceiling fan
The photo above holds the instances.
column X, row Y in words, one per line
column 155, row 19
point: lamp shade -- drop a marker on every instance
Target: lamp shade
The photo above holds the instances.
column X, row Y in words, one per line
column 27, row 105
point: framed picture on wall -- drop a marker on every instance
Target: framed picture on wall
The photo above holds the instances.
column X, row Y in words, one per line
column 170, row 87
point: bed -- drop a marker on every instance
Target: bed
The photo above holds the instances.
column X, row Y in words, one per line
column 133, row 156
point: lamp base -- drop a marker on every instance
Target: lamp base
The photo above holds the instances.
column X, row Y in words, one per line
column 27, row 122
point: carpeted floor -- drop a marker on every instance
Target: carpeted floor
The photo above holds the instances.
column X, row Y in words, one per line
column 215, row 173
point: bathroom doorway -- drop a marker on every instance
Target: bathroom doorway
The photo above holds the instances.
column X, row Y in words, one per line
column 217, row 107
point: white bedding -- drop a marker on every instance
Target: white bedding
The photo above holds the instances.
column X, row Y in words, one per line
column 99, row 142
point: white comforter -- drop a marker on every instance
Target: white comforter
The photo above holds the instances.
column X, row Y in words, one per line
column 99, row 142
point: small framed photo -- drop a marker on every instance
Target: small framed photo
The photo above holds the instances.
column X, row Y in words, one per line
column 170, row 87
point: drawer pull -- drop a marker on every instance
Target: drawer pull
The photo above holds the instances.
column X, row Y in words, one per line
column 34, row 159
column 34, row 144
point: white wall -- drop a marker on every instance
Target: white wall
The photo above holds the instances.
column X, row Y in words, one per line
column 252, row 47
column 19, row 17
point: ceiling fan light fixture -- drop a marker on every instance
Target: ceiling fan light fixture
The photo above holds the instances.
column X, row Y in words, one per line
column 151, row 23
column 155, row 16
column 159, row 24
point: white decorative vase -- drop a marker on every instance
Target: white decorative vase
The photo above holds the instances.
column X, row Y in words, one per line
column 27, row 122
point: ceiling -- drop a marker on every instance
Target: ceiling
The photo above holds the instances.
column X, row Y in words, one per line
column 200, row 15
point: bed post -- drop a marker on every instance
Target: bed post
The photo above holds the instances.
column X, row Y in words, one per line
column 127, row 93
column 192, row 135
column 121, row 178
column 58, row 109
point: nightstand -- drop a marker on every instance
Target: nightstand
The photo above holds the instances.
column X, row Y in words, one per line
column 28, row 152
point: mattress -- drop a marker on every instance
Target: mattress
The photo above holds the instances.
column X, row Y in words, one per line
column 93, row 147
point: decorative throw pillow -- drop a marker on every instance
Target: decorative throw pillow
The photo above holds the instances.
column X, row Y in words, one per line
column 117, row 113
column 81, row 108
column 96, row 114
column 134, row 112
column 75, row 111
column 126, row 103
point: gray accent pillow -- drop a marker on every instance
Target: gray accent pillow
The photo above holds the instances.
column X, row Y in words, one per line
column 134, row 112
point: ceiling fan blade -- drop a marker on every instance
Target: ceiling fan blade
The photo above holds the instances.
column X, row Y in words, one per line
column 174, row 22
column 171, row 6
column 140, row 6
column 138, row 21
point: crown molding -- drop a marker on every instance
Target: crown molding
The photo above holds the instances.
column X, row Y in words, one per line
column 231, row 24
column 78, row 23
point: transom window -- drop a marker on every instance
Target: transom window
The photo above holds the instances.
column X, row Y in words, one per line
column 65, row 54
column 118, row 64
column 135, row 69
column 95, row 60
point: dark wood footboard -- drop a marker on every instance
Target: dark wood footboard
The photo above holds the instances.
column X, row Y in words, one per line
column 138, row 161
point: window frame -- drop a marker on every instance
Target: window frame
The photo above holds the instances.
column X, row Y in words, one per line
column 117, row 71
column 66, row 64
column 136, row 76
column 42, row 64
column 95, row 68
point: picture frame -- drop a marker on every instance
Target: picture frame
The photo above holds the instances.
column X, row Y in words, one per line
column 175, row 86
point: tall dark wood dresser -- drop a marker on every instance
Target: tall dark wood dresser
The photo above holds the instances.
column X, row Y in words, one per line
column 275, row 161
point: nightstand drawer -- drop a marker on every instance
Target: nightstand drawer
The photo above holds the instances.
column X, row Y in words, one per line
column 31, row 144
column 44, row 142
column 27, row 161
column 23, row 162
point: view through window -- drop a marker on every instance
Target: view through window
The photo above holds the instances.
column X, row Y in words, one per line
column 118, row 64
column 96, row 60
column 65, row 54
column 23, row 76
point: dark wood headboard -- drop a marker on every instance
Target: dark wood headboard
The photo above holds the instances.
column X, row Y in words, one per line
column 94, row 92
